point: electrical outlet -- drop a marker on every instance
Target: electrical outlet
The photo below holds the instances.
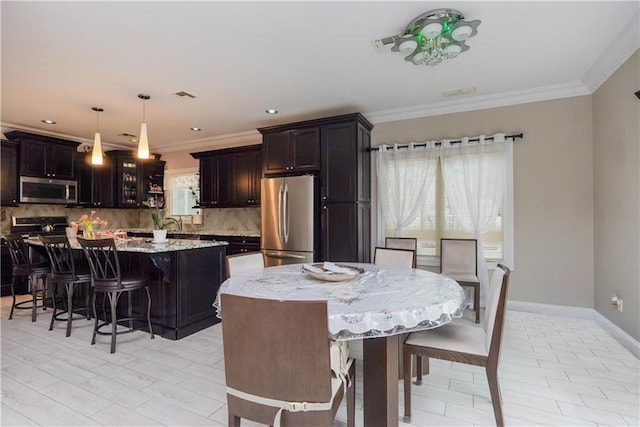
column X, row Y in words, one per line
column 616, row 302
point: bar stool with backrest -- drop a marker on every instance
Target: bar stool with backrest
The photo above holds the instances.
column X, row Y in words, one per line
column 23, row 267
column 410, row 243
column 249, row 262
column 459, row 261
column 107, row 278
column 66, row 270
column 464, row 343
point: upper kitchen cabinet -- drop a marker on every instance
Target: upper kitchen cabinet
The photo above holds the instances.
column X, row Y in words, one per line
column 95, row 182
column 292, row 151
column 44, row 156
column 230, row 177
column 9, row 174
column 346, row 160
column 137, row 180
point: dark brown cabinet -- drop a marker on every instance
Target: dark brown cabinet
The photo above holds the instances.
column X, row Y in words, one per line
column 346, row 189
column 230, row 177
column 9, row 173
column 337, row 149
column 295, row 151
column 137, row 180
column 45, row 157
column 95, row 182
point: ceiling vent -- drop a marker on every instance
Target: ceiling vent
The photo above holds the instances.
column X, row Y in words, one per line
column 128, row 135
column 458, row 92
column 183, row 94
column 385, row 44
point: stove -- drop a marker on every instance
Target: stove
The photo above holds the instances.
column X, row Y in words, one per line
column 36, row 225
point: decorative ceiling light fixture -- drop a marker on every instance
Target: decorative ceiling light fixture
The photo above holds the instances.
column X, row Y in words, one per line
column 143, row 142
column 96, row 152
column 435, row 36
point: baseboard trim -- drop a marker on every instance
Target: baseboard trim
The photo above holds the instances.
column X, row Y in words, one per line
column 625, row 340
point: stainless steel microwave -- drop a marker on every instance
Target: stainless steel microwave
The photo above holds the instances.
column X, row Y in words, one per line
column 45, row 190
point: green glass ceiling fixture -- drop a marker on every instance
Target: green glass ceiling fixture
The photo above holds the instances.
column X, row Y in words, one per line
column 435, row 36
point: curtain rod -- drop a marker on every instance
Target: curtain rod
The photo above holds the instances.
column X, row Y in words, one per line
column 458, row 141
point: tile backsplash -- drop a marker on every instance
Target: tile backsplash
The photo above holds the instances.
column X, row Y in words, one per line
column 231, row 219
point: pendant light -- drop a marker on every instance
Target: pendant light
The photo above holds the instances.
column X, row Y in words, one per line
column 143, row 142
column 96, row 152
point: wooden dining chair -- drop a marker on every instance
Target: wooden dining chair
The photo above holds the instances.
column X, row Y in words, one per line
column 393, row 257
column 464, row 343
column 280, row 366
column 410, row 243
column 249, row 262
column 459, row 261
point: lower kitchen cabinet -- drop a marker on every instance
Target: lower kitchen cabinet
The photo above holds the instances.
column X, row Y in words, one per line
column 346, row 232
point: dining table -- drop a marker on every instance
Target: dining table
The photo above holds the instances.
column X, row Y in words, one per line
column 375, row 304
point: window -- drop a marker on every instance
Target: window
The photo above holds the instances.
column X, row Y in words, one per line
column 183, row 191
column 445, row 198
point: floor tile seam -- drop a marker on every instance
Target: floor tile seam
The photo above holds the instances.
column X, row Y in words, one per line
column 582, row 415
column 177, row 400
column 635, row 408
column 83, row 385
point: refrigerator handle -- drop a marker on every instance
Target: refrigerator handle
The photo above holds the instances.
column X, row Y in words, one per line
column 286, row 213
column 280, row 234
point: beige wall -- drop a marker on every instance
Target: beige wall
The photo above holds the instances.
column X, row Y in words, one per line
column 553, row 190
column 616, row 134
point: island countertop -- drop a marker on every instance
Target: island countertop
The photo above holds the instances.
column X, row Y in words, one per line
column 207, row 232
column 144, row 245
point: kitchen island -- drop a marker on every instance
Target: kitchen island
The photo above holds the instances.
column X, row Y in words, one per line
column 184, row 277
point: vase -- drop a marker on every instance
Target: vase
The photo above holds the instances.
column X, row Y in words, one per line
column 159, row 236
column 88, row 232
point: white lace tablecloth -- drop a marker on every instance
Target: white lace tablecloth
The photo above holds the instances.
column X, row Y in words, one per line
column 381, row 301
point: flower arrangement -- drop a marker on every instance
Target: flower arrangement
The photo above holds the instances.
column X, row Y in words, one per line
column 87, row 222
column 157, row 215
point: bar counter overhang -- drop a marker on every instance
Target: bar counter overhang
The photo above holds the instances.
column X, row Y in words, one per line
column 184, row 277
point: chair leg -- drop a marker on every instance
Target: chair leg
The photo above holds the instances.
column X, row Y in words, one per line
column 130, row 309
column 418, row 370
column 113, row 300
column 351, row 397
column 406, row 360
column 34, row 296
column 13, row 295
column 53, row 302
column 149, row 311
column 234, row 420
column 476, row 302
column 70, row 289
column 95, row 317
column 87, row 300
column 494, row 390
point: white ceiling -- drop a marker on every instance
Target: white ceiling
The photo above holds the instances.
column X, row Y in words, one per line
column 307, row 59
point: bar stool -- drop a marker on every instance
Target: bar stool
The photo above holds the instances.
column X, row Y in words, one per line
column 64, row 271
column 23, row 267
column 106, row 276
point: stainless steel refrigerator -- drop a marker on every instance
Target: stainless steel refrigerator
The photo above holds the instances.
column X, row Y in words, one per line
column 290, row 220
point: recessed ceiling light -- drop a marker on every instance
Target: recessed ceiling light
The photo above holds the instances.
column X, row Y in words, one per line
column 133, row 140
column 196, row 129
column 271, row 111
column 49, row 121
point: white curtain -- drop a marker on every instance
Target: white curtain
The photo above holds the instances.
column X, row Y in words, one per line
column 474, row 181
column 408, row 174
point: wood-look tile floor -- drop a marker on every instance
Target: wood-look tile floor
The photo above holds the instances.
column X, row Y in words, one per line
column 554, row 371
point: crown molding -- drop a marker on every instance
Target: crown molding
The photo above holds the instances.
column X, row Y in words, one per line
column 622, row 47
column 222, row 141
column 7, row 127
column 544, row 93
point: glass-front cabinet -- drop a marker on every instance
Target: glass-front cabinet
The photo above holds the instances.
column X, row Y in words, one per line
column 138, row 180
